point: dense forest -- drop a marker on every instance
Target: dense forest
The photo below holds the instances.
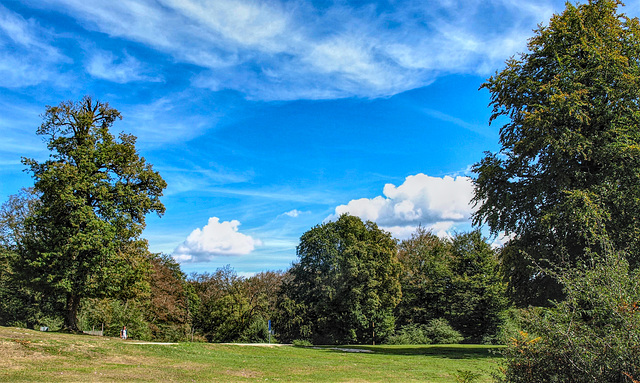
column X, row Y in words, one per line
column 563, row 293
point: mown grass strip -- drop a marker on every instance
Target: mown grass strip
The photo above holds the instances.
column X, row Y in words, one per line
column 56, row 357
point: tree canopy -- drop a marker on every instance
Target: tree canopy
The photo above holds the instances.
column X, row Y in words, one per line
column 83, row 237
column 565, row 181
column 455, row 279
column 344, row 287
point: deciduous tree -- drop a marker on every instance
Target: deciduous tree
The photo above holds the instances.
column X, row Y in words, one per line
column 83, row 239
column 455, row 279
column 345, row 285
column 567, row 174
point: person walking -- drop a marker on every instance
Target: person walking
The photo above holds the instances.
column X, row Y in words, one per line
column 123, row 332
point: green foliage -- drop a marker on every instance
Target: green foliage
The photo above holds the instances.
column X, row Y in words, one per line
column 456, row 279
column 82, row 239
column 301, row 343
column 113, row 314
column 441, row 332
column 591, row 336
column 20, row 305
column 568, row 171
column 510, row 325
column 425, row 278
column 467, row 376
column 436, row 331
column 477, row 294
column 410, row 334
column 344, row 287
column 234, row 309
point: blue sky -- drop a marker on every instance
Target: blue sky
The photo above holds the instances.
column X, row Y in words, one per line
column 269, row 117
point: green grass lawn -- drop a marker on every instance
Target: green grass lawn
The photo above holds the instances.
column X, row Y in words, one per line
column 33, row 356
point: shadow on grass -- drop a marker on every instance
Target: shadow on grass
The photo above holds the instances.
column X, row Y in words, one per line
column 454, row 351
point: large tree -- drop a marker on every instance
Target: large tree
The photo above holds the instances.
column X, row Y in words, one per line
column 425, row 279
column 452, row 278
column 344, row 287
column 565, row 181
column 84, row 236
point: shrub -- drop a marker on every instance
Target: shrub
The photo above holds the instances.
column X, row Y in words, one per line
column 466, row 376
column 511, row 323
column 410, row 334
column 591, row 336
column 437, row 331
column 256, row 332
column 441, row 332
column 302, row 343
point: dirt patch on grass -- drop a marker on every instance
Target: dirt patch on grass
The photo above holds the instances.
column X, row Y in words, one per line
column 244, row 373
column 19, row 349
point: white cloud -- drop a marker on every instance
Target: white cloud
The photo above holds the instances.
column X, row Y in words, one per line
column 166, row 120
column 26, row 56
column 436, row 203
column 290, row 50
column 213, row 240
column 502, row 239
column 295, row 213
column 107, row 66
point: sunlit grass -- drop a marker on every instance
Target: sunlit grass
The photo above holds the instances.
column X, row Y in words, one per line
column 54, row 357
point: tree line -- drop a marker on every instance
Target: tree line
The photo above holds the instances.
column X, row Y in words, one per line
column 72, row 257
column 352, row 283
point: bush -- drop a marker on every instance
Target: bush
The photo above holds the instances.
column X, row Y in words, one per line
column 511, row 322
column 410, row 334
column 302, row 343
column 256, row 332
column 592, row 336
column 437, row 331
column 441, row 332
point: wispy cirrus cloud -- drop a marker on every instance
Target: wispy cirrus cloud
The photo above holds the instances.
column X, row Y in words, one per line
column 272, row 50
column 27, row 54
column 167, row 119
column 105, row 65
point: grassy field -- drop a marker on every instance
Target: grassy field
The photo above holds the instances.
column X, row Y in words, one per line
column 33, row 356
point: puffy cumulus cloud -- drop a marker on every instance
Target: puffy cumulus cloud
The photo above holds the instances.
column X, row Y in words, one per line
column 280, row 50
column 213, row 240
column 436, row 203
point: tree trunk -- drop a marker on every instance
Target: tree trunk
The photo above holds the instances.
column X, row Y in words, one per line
column 373, row 333
column 71, row 315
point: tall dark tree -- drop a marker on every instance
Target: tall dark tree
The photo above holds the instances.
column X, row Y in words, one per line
column 477, row 296
column 452, row 278
column 566, row 178
column 345, row 285
column 83, row 239
column 426, row 278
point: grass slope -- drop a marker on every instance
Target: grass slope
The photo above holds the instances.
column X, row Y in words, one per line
column 33, row 356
